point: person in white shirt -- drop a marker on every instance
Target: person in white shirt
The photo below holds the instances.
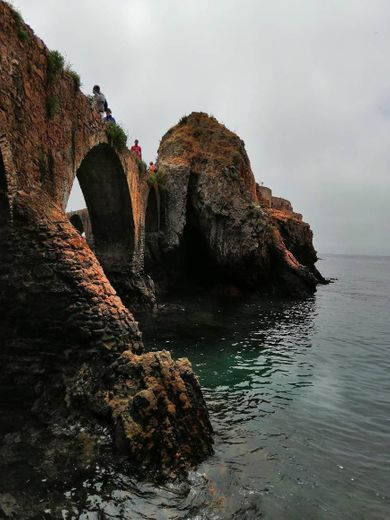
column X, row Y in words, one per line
column 99, row 101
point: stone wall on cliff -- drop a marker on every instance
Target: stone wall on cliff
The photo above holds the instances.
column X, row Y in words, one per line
column 281, row 204
column 264, row 196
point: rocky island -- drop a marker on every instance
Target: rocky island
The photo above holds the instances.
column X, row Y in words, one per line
column 70, row 346
column 217, row 226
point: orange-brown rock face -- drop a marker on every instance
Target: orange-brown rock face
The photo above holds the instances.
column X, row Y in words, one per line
column 67, row 342
column 297, row 237
column 216, row 227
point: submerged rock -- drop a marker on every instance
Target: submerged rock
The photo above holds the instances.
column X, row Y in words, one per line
column 214, row 229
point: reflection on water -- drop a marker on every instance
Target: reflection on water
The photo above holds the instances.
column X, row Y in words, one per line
column 250, row 357
column 298, row 394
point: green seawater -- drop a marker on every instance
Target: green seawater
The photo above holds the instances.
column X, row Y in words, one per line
column 299, row 398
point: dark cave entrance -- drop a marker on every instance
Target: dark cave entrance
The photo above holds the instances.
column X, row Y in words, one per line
column 104, row 186
column 197, row 262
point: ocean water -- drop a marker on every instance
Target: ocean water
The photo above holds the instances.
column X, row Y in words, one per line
column 299, row 398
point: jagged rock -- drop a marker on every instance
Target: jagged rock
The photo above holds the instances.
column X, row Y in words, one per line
column 297, row 237
column 161, row 420
column 213, row 228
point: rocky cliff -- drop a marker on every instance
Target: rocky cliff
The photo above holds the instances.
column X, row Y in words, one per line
column 68, row 344
column 215, row 227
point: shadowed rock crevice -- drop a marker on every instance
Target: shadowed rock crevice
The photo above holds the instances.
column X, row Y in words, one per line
column 196, row 260
column 152, row 232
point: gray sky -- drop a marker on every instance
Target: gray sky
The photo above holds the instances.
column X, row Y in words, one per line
column 305, row 83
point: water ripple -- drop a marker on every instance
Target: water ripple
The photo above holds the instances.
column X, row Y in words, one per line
column 299, row 397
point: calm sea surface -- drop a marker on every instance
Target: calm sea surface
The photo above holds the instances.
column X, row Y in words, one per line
column 299, row 397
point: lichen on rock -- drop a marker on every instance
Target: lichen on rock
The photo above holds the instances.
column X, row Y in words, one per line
column 155, row 403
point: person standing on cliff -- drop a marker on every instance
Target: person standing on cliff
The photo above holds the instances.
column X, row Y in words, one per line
column 109, row 117
column 152, row 168
column 99, row 101
column 137, row 150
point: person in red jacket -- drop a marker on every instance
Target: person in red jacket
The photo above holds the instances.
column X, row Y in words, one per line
column 136, row 149
column 152, row 167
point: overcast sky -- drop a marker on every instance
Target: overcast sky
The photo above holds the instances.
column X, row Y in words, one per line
column 305, row 83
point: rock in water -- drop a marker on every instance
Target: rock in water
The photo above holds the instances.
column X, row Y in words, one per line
column 214, row 230
column 161, row 420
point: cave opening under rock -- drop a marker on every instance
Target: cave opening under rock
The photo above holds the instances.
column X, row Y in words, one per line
column 104, row 185
column 197, row 262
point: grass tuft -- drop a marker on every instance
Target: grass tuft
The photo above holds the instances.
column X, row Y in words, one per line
column 55, row 65
column 116, row 136
column 22, row 34
column 158, row 179
column 183, row 120
column 21, row 27
column 74, row 75
column 142, row 167
column 152, row 179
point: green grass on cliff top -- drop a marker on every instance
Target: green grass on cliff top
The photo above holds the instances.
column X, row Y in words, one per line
column 116, row 136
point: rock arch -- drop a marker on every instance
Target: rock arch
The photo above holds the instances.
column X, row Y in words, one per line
column 103, row 182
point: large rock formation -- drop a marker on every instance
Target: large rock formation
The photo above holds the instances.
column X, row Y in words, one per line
column 68, row 345
column 215, row 227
